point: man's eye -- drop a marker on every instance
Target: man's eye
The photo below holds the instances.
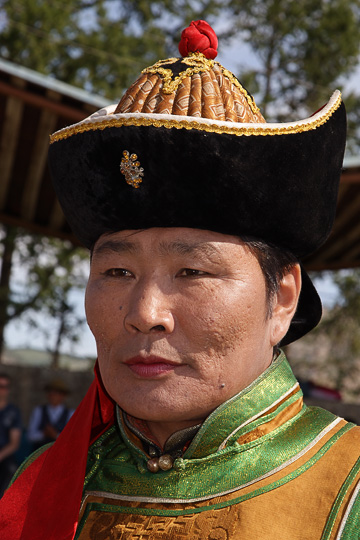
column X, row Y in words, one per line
column 191, row 272
column 118, row 272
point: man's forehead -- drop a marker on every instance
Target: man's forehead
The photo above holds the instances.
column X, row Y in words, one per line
column 167, row 241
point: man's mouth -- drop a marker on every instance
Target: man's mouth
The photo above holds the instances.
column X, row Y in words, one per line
column 150, row 366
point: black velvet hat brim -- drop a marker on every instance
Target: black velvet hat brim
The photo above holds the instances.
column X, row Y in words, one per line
column 280, row 188
column 264, row 181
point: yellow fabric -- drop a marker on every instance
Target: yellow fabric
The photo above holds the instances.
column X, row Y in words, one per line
column 301, row 506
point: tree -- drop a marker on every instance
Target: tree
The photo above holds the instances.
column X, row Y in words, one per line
column 37, row 275
column 303, row 49
column 100, row 45
column 353, row 118
column 8, row 247
column 58, row 269
column 330, row 354
column 11, row 306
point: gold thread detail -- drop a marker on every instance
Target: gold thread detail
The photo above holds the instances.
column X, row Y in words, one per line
column 197, row 63
column 196, row 59
column 193, row 124
column 130, row 168
column 255, row 109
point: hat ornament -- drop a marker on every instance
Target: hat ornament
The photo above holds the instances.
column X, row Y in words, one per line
column 130, row 167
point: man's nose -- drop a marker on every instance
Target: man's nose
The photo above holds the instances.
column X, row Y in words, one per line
column 149, row 310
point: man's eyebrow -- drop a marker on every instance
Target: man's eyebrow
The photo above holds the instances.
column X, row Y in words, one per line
column 173, row 248
column 186, row 248
column 117, row 246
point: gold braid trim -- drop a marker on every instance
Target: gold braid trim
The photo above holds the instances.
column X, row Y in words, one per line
column 196, row 61
column 193, row 124
column 255, row 109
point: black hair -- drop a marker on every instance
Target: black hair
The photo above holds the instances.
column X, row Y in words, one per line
column 275, row 263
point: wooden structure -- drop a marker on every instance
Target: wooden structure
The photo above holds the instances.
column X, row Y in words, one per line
column 342, row 249
column 32, row 106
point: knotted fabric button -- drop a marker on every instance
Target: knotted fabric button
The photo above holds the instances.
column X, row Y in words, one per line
column 179, row 464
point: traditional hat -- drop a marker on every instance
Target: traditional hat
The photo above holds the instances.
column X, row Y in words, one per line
column 187, row 147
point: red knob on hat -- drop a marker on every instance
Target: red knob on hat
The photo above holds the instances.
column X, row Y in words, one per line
column 199, row 37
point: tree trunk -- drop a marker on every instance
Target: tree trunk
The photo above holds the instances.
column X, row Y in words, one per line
column 8, row 243
column 56, row 352
column 268, row 75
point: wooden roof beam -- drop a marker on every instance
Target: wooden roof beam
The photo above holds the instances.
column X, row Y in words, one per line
column 46, row 125
column 42, row 102
column 339, row 246
column 350, row 177
column 10, row 134
column 342, row 218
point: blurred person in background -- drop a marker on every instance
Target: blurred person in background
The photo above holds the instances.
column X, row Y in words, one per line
column 49, row 419
column 10, row 433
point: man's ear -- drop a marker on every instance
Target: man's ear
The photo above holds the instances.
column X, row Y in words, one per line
column 284, row 304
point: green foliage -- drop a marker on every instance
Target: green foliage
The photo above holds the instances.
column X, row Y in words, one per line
column 330, row 354
column 45, row 272
column 353, row 118
column 100, row 45
column 304, row 49
column 342, row 320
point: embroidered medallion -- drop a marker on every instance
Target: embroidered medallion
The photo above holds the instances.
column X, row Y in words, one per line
column 130, row 168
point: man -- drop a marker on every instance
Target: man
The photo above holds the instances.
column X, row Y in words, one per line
column 48, row 420
column 196, row 213
column 10, row 433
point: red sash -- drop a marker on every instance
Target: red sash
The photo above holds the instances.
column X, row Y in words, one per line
column 44, row 502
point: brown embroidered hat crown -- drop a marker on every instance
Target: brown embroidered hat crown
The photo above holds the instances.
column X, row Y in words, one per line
column 186, row 146
column 191, row 86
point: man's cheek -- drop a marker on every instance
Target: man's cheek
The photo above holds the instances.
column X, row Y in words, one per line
column 214, row 334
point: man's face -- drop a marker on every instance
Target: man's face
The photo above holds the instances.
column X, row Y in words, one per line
column 179, row 317
column 55, row 397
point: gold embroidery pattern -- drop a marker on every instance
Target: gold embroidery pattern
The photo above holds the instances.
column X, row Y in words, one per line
column 193, row 124
column 197, row 58
column 196, row 62
column 218, row 524
column 130, row 167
